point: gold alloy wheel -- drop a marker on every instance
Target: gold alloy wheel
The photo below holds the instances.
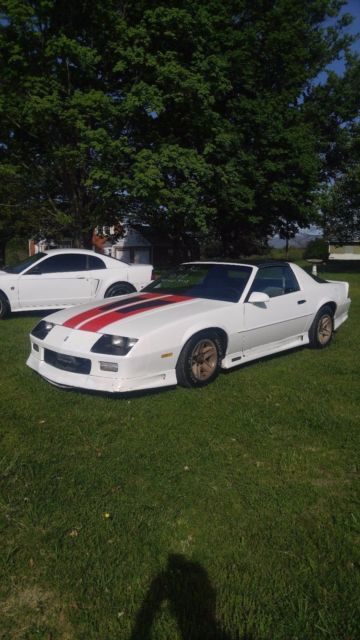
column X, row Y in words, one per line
column 204, row 359
column 325, row 328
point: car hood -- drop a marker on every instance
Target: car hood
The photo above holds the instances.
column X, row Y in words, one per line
column 134, row 315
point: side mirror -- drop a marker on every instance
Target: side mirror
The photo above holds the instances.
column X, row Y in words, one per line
column 258, row 297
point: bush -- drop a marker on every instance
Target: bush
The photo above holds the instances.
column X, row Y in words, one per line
column 16, row 250
column 318, row 249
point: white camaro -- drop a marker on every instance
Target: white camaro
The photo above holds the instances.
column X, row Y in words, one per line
column 60, row 278
column 186, row 326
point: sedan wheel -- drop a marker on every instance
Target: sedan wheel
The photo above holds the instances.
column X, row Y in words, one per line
column 4, row 306
column 199, row 361
column 322, row 328
column 119, row 289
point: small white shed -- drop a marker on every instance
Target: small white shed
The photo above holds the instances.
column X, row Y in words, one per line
column 342, row 251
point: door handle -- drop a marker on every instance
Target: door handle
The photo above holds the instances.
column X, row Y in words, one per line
column 301, row 301
column 80, row 278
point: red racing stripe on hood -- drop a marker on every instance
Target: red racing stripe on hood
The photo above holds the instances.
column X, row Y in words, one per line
column 147, row 305
column 103, row 308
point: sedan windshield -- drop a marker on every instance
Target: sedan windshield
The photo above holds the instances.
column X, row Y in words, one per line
column 18, row 268
column 204, row 280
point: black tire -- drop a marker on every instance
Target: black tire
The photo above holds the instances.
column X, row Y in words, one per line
column 4, row 306
column 322, row 328
column 200, row 359
column 119, row 289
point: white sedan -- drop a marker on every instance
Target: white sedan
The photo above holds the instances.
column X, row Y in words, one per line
column 186, row 326
column 60, row 278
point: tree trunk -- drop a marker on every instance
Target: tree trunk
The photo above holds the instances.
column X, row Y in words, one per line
column 287, row 247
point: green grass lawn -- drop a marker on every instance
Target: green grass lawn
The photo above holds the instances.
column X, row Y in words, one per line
column 230, row 512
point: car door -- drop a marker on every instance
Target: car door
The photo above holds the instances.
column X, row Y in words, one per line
column 280, row 321
column 58, row 280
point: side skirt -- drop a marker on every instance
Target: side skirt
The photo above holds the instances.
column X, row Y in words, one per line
column 236, row 359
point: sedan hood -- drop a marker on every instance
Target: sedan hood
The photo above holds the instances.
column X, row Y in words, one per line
column 134, row 315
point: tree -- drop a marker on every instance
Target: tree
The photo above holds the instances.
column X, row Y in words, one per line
column 341, row 201
column 235, row 83
column 61, row 132
column 339, row 137
column 187, row 115
column 278, row 160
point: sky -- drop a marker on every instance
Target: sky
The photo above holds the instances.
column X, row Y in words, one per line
column 352, row 7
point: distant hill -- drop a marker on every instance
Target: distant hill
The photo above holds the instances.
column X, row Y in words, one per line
column 300, row 241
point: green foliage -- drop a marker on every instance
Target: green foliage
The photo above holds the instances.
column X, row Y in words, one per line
column 341, row 202
column 187, row 115
column 293, row 254
column 17, row 250
column 317, row 248
column 59, row 117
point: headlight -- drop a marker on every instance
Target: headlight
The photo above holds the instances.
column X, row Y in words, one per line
column 42, row 329
column 114, row 345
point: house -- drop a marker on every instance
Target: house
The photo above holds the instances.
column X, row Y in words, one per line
column 134, row 244
column 140, row 244
column 40, row 243
column 130, row 246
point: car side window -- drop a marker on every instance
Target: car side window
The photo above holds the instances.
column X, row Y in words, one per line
column 96, row 263
column 275, row 281
column 63, row 263
column 290, row 282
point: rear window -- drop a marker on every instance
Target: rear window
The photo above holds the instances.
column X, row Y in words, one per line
column 96, row 263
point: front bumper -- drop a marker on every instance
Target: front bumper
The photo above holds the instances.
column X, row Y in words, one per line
column 97, row 380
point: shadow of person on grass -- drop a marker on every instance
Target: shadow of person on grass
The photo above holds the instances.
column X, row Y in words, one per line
column 186, row 587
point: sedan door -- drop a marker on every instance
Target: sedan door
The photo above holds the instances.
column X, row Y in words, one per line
column 279, row 322
column 58, row 280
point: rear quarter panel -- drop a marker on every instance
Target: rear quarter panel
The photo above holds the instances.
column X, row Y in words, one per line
column 137, row 275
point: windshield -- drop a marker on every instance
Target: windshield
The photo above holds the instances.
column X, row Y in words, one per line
column 201, row 280
column 18, row 268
